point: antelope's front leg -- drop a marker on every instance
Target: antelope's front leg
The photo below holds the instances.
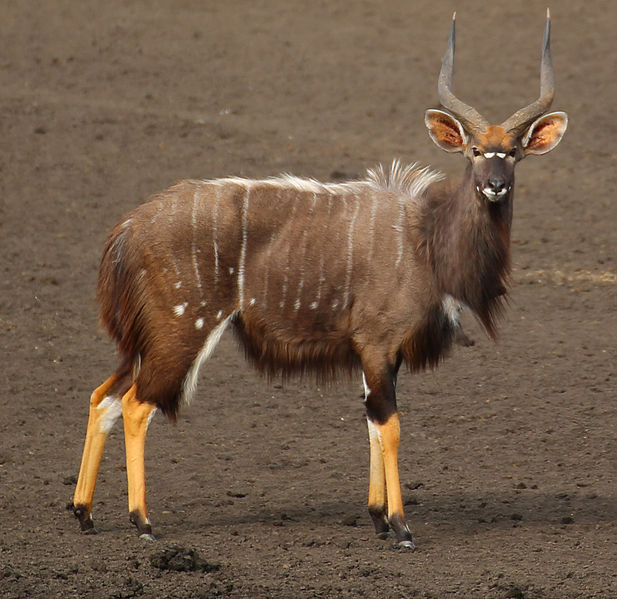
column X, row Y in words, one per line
column 384, row 437
column 136, row 416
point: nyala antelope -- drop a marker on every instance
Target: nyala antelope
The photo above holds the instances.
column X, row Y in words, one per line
column 312, row 277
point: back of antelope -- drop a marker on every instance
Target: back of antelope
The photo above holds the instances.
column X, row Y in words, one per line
column 312, row 277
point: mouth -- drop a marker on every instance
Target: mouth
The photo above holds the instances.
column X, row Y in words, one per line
column 493, row 196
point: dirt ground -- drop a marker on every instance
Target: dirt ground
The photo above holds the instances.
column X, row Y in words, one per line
column 508, row 453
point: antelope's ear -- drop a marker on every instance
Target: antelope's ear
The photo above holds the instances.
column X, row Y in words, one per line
column 445, row 130
column 545, row 133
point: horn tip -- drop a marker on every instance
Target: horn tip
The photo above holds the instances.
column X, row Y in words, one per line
column 454, row 16
column 548, row 13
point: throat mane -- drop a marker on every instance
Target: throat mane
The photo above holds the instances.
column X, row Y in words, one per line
column 467, row 244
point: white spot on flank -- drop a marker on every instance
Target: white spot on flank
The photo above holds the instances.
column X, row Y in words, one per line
column 178, row 285
column 180, row 308
column 297, row 305
column 190, row 382
column 113, row 410
column 314, row 305
column 199, row 323
column 219, row 314
column 252, row 302
column 231, row 270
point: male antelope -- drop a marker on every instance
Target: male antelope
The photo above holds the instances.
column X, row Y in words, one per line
column 312, row 277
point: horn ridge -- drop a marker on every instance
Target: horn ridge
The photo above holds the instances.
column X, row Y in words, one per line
column 516, row 123
column 471, row 118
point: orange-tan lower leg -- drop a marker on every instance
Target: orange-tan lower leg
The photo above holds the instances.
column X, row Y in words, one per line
column 94, row 444
column 377, row 482
column 389, row 437
column 136, row 416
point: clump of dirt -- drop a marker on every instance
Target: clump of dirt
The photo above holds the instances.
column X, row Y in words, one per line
column 181, row 559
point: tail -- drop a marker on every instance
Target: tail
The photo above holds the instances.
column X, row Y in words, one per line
column 150, row 353
column 120, row 300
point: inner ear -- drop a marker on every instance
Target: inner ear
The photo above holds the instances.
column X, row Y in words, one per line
column 445, row 130
column 545, row 133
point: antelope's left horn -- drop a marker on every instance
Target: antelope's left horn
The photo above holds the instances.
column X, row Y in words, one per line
column 517, row 123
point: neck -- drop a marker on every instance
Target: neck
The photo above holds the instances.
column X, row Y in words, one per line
column 467, row 242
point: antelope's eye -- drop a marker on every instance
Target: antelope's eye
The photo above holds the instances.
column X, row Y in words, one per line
column 475, row 151
column 512, row 152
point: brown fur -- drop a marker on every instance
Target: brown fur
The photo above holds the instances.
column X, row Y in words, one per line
column 327, row 271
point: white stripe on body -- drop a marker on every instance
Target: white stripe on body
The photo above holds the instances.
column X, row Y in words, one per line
column 372, row 220
column 215, row 246
column 194, row 248
column 367, row 391
column 267, row 270
column 400, row 228
column 190, row 381
column 285, row 285
column 322, row 259
column 242, row 261
column 311, row 211
column 349, row 270
column 150, row 417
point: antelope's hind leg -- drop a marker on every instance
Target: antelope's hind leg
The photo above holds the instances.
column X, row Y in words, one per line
column 136, row 417
column 105, row 408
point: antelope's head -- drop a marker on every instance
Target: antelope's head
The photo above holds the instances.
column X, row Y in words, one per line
column 494, row 150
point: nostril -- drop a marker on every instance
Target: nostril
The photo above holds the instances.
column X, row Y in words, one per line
column 496, row 184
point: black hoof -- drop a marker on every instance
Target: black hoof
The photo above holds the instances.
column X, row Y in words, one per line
column 143, row 526
column 380, row 521
column 408, row 545
column 401, row 532
column 85, row 519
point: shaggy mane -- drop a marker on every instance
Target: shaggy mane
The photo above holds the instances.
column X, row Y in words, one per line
column 410, row 180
